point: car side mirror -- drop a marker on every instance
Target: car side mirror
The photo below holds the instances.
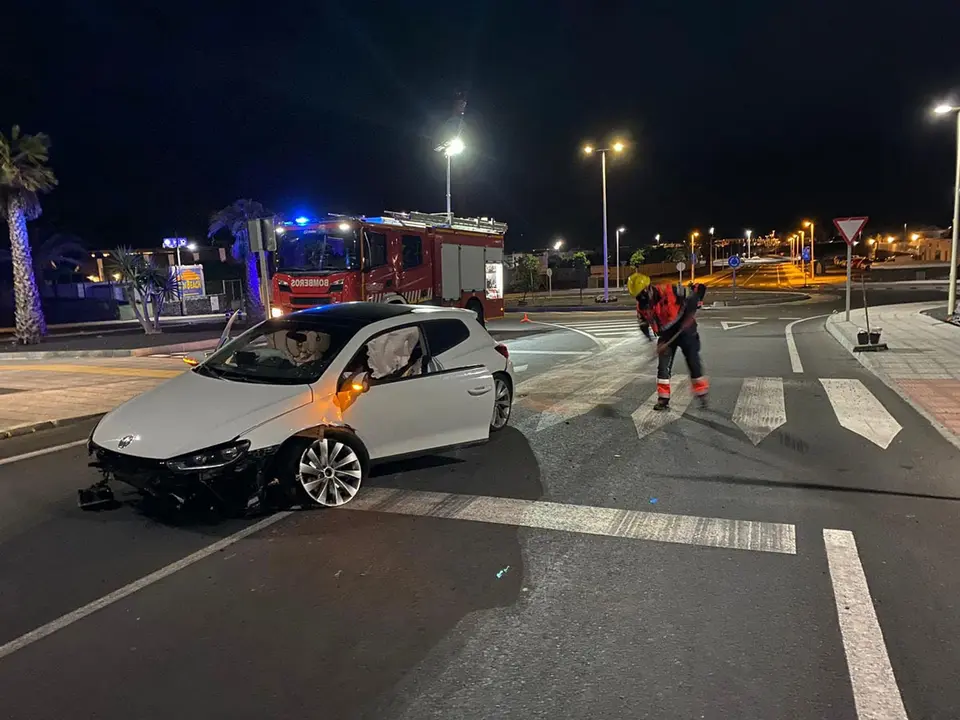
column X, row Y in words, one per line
column 194, row 358
column 358, row 383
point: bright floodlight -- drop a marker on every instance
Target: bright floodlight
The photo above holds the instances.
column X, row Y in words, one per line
column 807, row 223
column 192, row 246
column 621, row 229
column 915, row 237
column 943, row 109
column 455, row 146
column 344, row 226
column 711, row 230
column 657, row 237
column 749, row 233
column 588, row 149
column 558, row 244
column 302, row 220
column 618, row 147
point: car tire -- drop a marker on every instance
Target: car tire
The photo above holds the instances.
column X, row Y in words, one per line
column 502, row 401
column 328, row 470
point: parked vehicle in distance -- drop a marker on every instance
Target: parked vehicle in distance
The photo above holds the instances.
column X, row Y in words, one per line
column 304, row 404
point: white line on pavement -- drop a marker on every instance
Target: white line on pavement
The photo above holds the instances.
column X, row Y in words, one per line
column 647, row 420
column 860, row 412
column 548, row 352
column 795, row 363
column 520, row 368
column 760, row 407
column 611, row 522
column 80, row 613
column 44, row 451
column 875, row 691
column 571, row 329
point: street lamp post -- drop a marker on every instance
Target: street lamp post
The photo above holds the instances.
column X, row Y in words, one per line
column 693, row 236
column 617, row 147
column 710, row 269
column 813, row 264
column 620, row 230
column 749, row 254
column 453, row 146
column 952, row 292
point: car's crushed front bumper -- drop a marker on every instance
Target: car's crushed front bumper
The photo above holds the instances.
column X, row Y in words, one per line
column 235, row 485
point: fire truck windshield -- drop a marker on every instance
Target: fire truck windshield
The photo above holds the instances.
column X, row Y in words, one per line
column 317, row 249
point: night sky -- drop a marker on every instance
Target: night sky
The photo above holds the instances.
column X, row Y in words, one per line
column 750, row 114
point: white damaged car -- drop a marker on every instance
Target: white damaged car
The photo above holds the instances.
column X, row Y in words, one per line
column 304, row 404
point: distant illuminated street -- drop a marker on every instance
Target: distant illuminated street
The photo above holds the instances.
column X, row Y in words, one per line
column 670, row 557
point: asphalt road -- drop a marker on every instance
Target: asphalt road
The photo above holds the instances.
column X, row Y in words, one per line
column 543, row 601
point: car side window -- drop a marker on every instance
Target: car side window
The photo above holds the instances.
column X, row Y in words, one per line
column 412, row 251
column 444, row 335
column 394, row 355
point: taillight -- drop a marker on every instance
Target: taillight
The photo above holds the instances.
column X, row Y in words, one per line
column 502, row 349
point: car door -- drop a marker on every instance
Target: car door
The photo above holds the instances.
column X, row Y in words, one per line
column 411, row 406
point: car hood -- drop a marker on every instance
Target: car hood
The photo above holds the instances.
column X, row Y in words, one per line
column 192, row 412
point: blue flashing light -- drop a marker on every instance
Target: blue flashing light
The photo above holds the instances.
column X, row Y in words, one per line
column 302, row 220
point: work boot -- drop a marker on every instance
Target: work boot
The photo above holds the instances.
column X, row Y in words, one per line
column 662, row 404
column 703, row 402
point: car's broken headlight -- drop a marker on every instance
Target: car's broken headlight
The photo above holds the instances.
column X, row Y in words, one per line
column 211, row 458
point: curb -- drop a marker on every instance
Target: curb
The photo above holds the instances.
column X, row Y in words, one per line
column 890, row 382
column 629, row 306
column 31, row 428
column 132, row 352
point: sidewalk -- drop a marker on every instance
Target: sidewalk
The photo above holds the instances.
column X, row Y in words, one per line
column 43, row 394
column 922, row 364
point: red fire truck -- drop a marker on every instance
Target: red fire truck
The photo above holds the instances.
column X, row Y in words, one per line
column 395, row 258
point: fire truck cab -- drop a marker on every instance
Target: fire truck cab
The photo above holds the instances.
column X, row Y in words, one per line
column 395, row 258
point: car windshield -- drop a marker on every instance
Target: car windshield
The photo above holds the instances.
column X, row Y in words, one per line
column 285, row 351
column 317, row 249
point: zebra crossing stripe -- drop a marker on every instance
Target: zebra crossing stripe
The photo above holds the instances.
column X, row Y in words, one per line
column 760, row 407
column 860, row 412
column 600, row 391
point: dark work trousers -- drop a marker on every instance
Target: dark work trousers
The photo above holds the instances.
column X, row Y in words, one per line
column 689, row 343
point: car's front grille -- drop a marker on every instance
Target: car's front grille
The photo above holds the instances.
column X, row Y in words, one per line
column 128, row 464
column 309, row 301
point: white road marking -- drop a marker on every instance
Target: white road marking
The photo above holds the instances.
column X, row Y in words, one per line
column 547, row 352
column 875, row 692
column 795, row 363
column 598, row 391
column 734, row 325
column 571, row 329
column 611, row 522
column 755, row 318
column 647, row 420
column 860, row 412
column 760, row 407
column 790, row 318
column 520, row 368
column 44, row 451
column 137, row 585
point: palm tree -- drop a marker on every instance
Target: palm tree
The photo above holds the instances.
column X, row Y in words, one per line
column 144, row 285
column 233, row 218
column 23, row 175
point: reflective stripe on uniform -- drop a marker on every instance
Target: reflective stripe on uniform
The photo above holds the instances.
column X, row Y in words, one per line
column 663, row 388
column 700, row 386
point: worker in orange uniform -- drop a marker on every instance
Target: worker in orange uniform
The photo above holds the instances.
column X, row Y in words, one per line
column 671, row 311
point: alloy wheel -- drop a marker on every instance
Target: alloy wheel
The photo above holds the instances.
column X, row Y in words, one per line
column 502, row 403
column 330, row 472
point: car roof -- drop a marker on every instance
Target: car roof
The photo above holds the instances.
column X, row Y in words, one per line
column 355, row 315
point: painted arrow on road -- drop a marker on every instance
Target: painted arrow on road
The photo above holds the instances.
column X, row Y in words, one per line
column 760, row 407
column 648, row 421
column 736, row 324
column 860, row 412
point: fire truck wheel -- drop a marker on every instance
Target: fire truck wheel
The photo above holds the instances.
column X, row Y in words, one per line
column 477, row 308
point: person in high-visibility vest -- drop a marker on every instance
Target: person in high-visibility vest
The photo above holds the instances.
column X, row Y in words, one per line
column 637, row 283
column 671, row 311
